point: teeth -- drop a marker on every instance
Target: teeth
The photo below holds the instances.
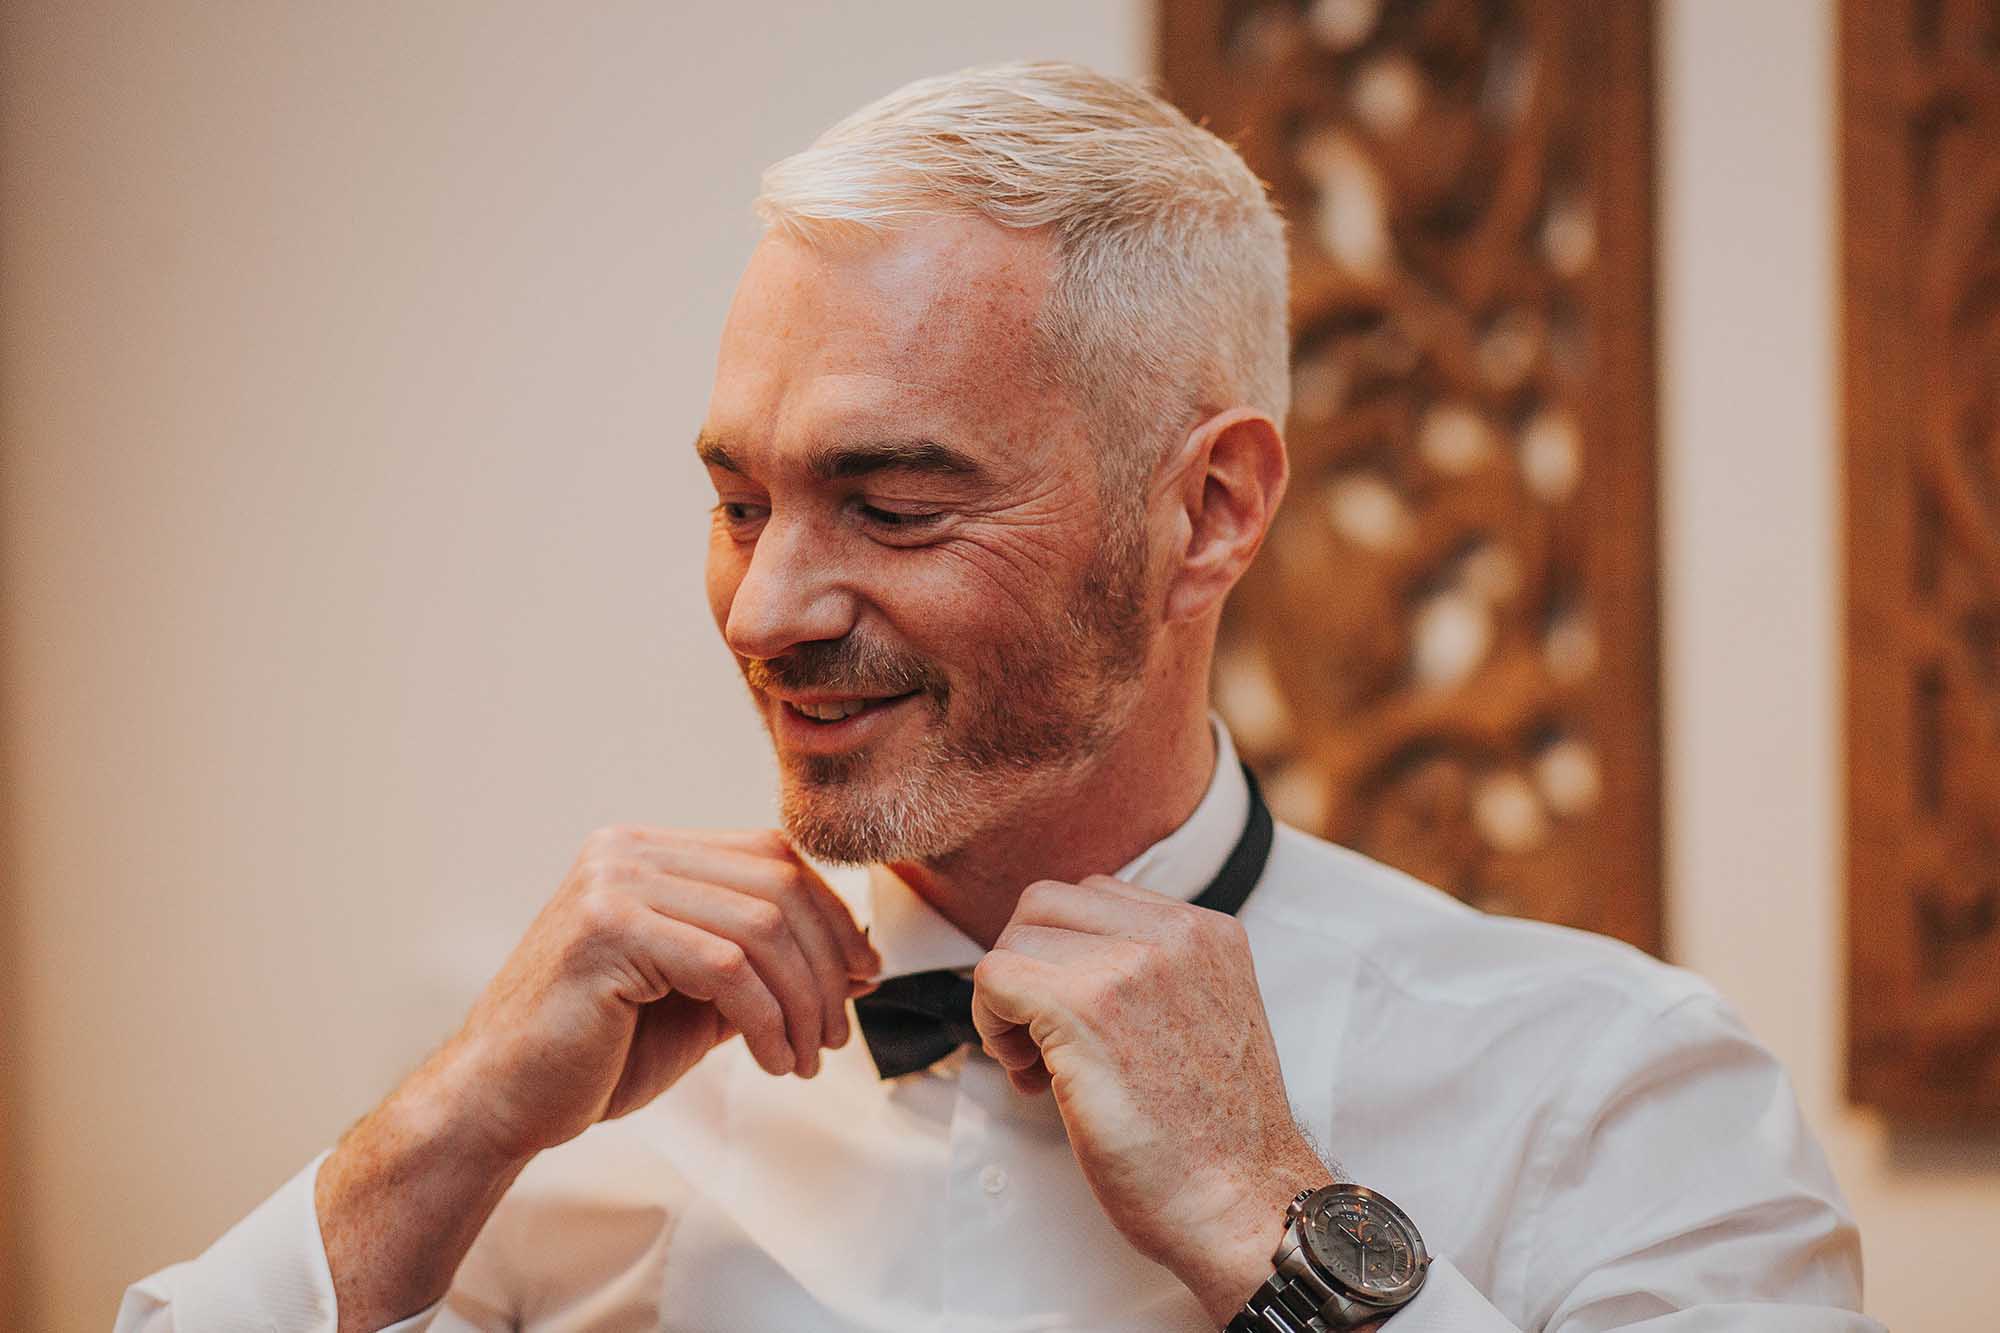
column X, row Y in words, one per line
column 833, row 712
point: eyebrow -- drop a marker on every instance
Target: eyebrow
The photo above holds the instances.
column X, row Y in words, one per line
column 838, row 462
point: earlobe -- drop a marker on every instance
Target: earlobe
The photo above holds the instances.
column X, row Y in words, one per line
column 1232, row 480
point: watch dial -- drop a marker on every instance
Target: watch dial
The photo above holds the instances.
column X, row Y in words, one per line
column 1363, row 1240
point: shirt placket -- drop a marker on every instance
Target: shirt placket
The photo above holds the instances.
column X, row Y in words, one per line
column 984, row 1187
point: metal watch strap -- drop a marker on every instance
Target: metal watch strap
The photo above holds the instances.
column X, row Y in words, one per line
column 1281, row 1305
column 1295, row 1298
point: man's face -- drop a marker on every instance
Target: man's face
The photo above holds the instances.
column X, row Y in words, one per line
column 909, row 557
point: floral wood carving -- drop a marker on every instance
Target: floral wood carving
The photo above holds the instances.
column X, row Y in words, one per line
column 1446, row 655
column 1921, row 148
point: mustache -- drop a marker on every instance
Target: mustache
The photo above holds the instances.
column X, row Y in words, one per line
column 850, row 665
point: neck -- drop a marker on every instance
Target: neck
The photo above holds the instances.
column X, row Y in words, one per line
column 1141, row 789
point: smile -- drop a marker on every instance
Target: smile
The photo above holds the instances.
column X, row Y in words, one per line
column 839, row 710
column 837, row 724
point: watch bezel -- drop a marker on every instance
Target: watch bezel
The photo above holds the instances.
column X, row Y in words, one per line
column 1311, row 1211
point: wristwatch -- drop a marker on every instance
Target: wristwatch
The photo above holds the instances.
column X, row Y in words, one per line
column 1348, row 1256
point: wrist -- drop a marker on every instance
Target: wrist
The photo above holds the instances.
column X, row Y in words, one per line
column 1226, row 1286
column 1233, row 1256
column 447, row 1107
column 401, row 1200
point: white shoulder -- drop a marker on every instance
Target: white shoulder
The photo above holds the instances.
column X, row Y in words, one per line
column 1422, row 940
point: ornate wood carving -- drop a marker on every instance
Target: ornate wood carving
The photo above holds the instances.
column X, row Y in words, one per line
column 1446, row 655
column 1921, row 149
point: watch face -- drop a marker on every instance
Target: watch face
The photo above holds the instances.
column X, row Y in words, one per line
column 1366, row 1242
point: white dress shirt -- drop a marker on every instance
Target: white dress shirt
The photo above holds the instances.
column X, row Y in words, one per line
column 1587, row 1138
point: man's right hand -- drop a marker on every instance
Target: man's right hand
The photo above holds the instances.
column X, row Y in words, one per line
column 658, row 947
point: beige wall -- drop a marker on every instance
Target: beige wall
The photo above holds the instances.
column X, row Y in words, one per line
column 353, row 356
column 348, row 360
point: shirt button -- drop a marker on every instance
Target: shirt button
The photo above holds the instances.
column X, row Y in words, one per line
column 993, row 1179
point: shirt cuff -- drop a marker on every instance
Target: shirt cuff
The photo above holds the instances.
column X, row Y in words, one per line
column 267, row 1274
column 1448, row 1303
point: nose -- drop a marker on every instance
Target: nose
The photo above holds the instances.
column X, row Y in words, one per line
column 791, row 593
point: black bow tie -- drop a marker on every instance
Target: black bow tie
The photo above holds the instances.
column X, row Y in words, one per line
column 912, row 1021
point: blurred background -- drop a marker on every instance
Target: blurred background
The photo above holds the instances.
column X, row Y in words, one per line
column 350, row 535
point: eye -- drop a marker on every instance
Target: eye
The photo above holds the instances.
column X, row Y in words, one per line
column 739, row 516
column 892, row 518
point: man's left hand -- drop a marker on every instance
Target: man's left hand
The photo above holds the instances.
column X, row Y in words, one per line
column 1141, row 1013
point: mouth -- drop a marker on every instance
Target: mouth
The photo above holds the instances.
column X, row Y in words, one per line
column 839, row 710
column 835, row 722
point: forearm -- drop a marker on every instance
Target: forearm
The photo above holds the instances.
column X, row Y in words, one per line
column 400, row 1202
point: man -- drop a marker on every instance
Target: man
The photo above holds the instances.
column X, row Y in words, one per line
column 994, row 432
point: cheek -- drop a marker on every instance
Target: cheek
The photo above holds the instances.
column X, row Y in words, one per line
column 1017, row 580
column 958, row 605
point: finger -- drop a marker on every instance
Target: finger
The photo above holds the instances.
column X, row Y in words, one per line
column 761, row 856
column 1078, row 907
column 1009, row 991
column 711, row 968
column 1030, row 1082
column 763, row 930
column 854, row 941
column 786, row 885
column 767, row 841
column 1061, row 946
column 1097, row 906
column 1137, row 893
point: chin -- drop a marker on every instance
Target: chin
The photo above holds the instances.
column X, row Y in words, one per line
column 847, row 819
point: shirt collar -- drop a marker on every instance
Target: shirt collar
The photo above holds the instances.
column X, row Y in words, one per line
column 912, row 937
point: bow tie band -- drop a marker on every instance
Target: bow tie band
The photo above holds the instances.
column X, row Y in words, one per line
column 912, row 1021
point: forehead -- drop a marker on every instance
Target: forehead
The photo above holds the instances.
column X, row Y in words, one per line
column 926, row 331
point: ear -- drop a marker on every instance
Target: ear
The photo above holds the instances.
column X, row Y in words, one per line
column 1227, row 480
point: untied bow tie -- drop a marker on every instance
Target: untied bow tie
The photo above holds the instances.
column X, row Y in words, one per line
column 912, row 1021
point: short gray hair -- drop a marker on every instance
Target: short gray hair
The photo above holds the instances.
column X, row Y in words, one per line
column 1169, row 291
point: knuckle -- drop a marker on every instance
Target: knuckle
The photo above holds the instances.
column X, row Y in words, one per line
column 598, row 869
column 1042, row 894
column 1205, row 928
column 1108, row 989
column 764, row 921
column 769, row 842
column 1188, row 926
column 608, row 835
column 600, row 915
column 598, row 930
column 617, row 871
column 729, row 963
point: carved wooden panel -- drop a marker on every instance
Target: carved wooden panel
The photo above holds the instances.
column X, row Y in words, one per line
column 1921, row 184
column 1445, row 656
